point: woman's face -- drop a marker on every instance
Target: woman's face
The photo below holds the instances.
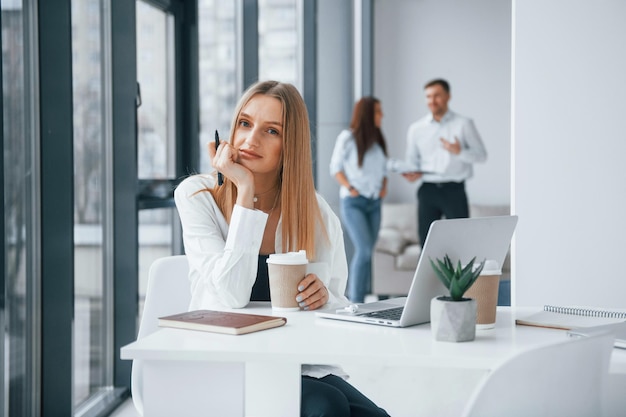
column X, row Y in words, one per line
column 378, row 115
column 259, row 134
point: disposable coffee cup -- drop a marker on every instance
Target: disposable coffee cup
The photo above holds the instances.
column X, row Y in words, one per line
column 285, row 271
column 485, row 292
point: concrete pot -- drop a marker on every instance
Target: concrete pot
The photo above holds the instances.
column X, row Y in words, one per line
column 453, row 321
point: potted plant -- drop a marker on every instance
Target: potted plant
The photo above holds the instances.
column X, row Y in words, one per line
column 453, row 317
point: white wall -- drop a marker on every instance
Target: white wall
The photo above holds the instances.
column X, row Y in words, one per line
column 569, row 148
column 469, row 44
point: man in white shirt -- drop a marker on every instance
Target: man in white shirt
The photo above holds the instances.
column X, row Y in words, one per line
column 442, row 146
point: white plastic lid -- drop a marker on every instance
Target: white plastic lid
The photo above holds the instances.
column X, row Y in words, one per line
column 289, row 258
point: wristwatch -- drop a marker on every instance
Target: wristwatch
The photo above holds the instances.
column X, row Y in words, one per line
column 350, row 188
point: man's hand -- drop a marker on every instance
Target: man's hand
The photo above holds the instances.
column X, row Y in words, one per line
column 452, row 147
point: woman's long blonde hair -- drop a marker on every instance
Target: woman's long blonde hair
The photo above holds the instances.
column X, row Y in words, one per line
column 299, row 207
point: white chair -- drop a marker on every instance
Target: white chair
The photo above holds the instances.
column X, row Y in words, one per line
column 568, row 378
column 168, row 292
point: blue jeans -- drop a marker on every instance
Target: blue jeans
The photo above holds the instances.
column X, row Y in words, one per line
column 361, row 219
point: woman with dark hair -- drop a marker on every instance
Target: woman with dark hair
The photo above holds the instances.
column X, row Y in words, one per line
column 267, row 204
column 359, row 164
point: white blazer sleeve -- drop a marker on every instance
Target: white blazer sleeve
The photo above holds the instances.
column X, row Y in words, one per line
column 222, row 258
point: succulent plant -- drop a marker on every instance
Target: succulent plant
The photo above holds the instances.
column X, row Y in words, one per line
column 456, row 280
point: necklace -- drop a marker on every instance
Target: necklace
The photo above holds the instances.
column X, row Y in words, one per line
column 256, row 197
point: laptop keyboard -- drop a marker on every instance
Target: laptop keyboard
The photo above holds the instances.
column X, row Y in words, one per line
column 390, row 314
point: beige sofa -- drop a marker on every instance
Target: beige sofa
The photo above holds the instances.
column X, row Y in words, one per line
column 397, row 249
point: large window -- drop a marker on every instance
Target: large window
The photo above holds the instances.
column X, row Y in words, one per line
column 92, row 344
column 57, row 354
column 159, row 68
column 279, row 58
column 18, row 312
column 155, row 73
column 106, row 106
column 280, row 40
column 219, row 84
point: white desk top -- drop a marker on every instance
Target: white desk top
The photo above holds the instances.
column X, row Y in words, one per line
column 310, row 339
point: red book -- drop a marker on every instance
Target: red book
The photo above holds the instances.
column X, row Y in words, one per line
column 221, row 321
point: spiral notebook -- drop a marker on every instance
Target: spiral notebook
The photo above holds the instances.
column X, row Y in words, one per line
column 568, row 318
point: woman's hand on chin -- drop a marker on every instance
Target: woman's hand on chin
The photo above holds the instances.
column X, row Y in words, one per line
column 225, row 160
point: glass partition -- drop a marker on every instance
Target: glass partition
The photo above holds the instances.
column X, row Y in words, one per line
column 92, row 342
column 280, row 27
column 19, row 324
column 219, row 85
column 156, row 136
column 155, row 73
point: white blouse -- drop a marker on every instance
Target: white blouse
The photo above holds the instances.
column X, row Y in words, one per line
column 223, row 258
column 368, row 179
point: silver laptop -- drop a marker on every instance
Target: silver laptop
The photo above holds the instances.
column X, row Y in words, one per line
column 618, row 329
column 460, row 239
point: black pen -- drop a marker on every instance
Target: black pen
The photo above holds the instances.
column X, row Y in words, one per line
column 220, row 177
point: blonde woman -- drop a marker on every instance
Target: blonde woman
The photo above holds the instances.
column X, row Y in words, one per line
column 267, row 204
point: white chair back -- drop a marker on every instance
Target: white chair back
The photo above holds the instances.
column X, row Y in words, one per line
column 168, row 292
column 568, row 378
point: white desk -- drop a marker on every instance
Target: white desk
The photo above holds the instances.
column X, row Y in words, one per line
column 273, row 357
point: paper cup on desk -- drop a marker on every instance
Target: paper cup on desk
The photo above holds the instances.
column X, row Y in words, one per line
column 285, row 271
column 485, row 292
